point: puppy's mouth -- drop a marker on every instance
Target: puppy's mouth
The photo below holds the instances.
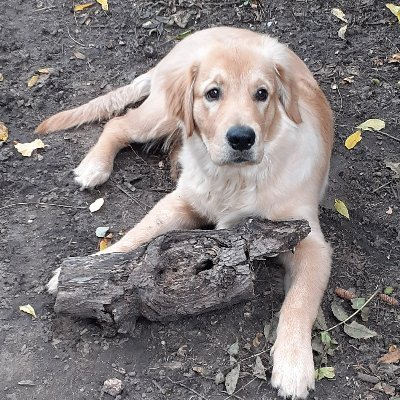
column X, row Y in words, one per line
column 240, row 157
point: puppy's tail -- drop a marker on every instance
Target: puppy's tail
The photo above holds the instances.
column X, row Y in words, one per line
column 102, row 107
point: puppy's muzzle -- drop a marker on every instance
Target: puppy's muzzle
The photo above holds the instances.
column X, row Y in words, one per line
column 241, row 137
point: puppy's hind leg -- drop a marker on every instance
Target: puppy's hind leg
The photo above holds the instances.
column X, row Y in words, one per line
column 141, row 124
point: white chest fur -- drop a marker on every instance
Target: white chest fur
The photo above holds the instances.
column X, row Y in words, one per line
column 226, row 194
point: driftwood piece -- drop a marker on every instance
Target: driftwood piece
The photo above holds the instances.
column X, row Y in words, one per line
column 177, row 274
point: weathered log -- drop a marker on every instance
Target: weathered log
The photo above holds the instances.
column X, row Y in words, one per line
column 177, row 274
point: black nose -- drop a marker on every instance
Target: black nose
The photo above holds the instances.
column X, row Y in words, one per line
column 241, row 137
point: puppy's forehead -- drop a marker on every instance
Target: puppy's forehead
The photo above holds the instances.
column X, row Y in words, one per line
column 235, row 62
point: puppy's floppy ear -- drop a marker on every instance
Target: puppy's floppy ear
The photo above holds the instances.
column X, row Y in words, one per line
column 179, row 91
column 288, row 93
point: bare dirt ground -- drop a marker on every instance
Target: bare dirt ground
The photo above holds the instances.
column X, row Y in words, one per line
column 44, row 218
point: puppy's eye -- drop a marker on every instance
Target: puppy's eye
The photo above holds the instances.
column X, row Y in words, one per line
column 213, row 94
column 261, row 95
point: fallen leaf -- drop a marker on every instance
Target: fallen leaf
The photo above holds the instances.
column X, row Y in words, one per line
column 326, row 338
column 338, row 13
column 389, row 211
column 45, row 70
column 324, row 373
column 320, row 322
column 259, row 370
column 1, row 77
column 365, row 314
column 33, row 80
column 79, row 55
column 81, row 7
column 388, row 290
column 372, row 125
column 3, row 132
column 104, row 4
column 267, row 330
column 391, row 357
column 342, row 32
column 394, row 9
column 358, row 331
column 28, row 309
column 219, row 378
column 348, row 79
column 357, row 303
column 231, row 379
column 233, row 349
column 26, row 149
column 341, row 208
column 339, row 312
column 395, row 58
column 103, row 244
column 256, row 341
column 101, row 231
column 353, row 139
column 96, row 205
column 395, row 167
column 199, row 369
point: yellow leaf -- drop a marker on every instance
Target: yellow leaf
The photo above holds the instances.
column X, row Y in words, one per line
column 103, row 244
column 81, row 7
column 96, row 205
column 26, row 149
column 342, row 32
column 395, row 58
column 104, row 4
column 394, row 9
column 372, row 124
column 338, row 13
column 44, row 70
column 28, row 309
column 341, row 208
column 33, row 80
column 3, row 132
column 353, row 139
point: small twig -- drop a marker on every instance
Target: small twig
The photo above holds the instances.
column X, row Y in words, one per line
column 382, row 186
column 389, row 136
column 42, row 204
column 80, row 44
column 354, row 313
column 131, row 197
column 44, row 8
column 188, row 388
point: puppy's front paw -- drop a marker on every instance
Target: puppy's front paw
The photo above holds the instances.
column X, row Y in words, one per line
column 91, row 173
column 293, row 367
column 52, row 284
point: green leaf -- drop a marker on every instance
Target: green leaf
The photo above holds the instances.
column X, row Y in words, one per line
column 388, row 290
column 341, row 208
column 326, row 338
column 339, row 312
column 324, row 372
column 357, row 303
column 101, row 231
column 372, row 125
column 358, row 331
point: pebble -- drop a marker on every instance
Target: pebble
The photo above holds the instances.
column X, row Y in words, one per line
column 113, row 386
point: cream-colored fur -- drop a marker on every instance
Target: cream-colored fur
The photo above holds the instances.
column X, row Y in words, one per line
column 281, row 176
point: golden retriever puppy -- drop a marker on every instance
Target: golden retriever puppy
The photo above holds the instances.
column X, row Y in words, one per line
column 257, row 136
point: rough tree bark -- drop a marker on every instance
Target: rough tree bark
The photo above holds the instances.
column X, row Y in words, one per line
column 176, row 274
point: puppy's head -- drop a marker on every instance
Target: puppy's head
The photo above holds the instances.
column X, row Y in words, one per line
column 234, row 99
